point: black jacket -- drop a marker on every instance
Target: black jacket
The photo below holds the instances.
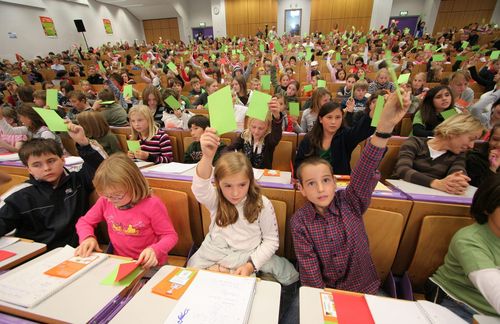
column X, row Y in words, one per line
column 48, row 215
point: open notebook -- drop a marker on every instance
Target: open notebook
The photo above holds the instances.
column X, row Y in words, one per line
column 214, row 298
column 30, row 285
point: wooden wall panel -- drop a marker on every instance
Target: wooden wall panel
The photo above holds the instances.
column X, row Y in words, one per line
column 345, row 13
column 459, row 13
column 244, row 17
column 166, row 28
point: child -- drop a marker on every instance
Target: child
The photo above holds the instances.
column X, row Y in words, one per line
column 97, row 130
column 418, row 91
column 196, row 89
column 202, row 100
column 289, row 123
column 239, row 86
column 437, row 101
column 319, row 97
column 138, row 222
column 331, row 141
column 175, row 118
column 197, row 125
column 79, row 104
column 152, row 98
column 10, row 143
column 381, row 82
column 329, row 237
column 177, row 85
column 345, row 91
column 259, row 140
column 358, row 98
column 243, row 235
column 114, row 114
column 155, row 143
column 46, row 208
column 87, row 90
column 40, row 98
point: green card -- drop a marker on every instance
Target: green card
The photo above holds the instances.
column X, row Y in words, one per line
column 107, row 102
column 308, row 88
column 172, row 67
column 128, row 91
column 379, row 106
column 221, row 111
column 438, row 57
column 258, row 105
column 53, row 121
column 392, row 73
column 52, row 101
column 404, row 78
column 448, row 113
column 265, row 82
column 233, row 52
column 110, row 278
column 147, row 64
column 138, row 62
column 434, row 48
column 262, row 48
column 172, row 102
column 362, row 40
column 475, row 47
column 187, row 69
column 415, row 43
column 290, row 46
column 464, row 44
column 242, row 57
column 308, row 54
column 321, row 84
column 349, row 42
column 19, row 80
column 294, row 108
column 338, row 58
column 213, row 57
column 427, row 47
column 133, row 146
column 460, row 58
column 278, row 47
column 101, row 67
column 494, row 55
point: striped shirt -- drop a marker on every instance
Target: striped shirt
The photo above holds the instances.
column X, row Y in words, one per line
column 158, row 147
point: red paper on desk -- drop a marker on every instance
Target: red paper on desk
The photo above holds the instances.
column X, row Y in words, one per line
column 6, row 254
column 124, row 269
column 352, row 308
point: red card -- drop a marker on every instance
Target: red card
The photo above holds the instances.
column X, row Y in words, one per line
column 461, row 103
column 352, row 308
column 125, row 269
column 6, row 254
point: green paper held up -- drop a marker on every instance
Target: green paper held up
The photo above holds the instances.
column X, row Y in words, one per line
column 221, row 112
column 172, row 102
column 278, row 47
column 101, row 67
column 128, row 91
column 321, row 84
column 379, row 106
column 52, row 101
column 308, row 88
column 294, row 109
column 172, row 66
column 133, row 146
column 494, row 55
column 110, row 278
column 438, row 57
column 19, row 80
column 464, row 44
column 54, row 122
column 404, row 78
column 448, row 113
column 265, row 82
column 258, row 105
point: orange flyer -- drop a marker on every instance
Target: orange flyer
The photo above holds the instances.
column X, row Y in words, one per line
column 175, row 283
column 70, row 267
column 272, row 173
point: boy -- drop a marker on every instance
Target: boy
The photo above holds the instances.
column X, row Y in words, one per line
column 47, row 206
column 196, row 89
column 328, row 232
column 177, row 85
column 197, row 124
column 114, row 114
column 358, row 100
column 79, row 104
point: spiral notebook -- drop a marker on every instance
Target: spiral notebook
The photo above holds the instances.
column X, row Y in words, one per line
column 30, row 285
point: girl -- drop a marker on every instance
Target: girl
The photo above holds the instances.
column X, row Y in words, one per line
column 381, row 82
column 155, row 143
column 211, row 87
column 468, row 281
column 289, row 123
column 345, row 91
column 152, row 98
column 239, row 86
column 437, row 102
column 417, row 91
column 97, row 129
column 175, row 118
column 320, row 97
column 138, row 222
column 10, row 143
column 259, row 140
column 243, row 235
column 484, row 160
column 459, row 85
column 439, row 162
column 330, row 140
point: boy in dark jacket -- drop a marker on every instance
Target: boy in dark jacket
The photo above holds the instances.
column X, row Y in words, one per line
column 197, row 125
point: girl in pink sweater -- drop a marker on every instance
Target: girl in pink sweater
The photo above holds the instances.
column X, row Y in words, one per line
column 138, row 223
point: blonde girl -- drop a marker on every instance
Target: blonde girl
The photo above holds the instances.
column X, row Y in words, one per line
column 155, row 143
column 381, row 82
column 259, row 140
column 418, row 91
column 138, row 222
column 243, row 234
column 97, row 129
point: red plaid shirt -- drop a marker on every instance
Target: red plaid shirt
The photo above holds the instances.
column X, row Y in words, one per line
column 332, row 251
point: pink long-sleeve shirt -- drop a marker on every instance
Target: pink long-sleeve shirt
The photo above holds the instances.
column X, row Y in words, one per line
column 147, row 224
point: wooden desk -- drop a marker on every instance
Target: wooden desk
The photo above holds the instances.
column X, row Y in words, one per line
column 147, row 307
column 76, row 303
column 25, row 250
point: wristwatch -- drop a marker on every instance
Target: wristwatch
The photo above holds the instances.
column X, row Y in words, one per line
column 253, row 265
column 382, row 135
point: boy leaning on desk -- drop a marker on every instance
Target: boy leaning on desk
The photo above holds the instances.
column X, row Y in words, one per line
column 47, row 206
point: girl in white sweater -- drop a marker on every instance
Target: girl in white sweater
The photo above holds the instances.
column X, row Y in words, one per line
column 243, row 235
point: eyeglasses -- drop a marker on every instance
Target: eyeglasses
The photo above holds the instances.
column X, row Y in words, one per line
column 115, row 196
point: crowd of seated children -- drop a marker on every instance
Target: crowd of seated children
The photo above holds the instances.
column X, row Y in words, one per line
column 211, row 85
column 468, row 282
column 439, row 162
column 154, row 141
column 114, row 114
column 358, row 98
column 381, row 82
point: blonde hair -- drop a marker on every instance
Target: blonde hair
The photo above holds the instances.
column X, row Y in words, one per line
column 120, row 172
column 458, row 125
column 229, row 164
column 94, row 124
column 146, row 113
column 247, row 134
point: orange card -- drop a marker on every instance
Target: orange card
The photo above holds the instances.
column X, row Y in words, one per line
column 6, row 254
column 69, row 267
column 461, row 103
column 272, row 173
column 175, row 283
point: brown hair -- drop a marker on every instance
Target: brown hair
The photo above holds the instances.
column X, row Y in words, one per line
column 28, row 112
column 151, row 90
column 316, row 97
column 227, row 214
column 120, row 172
column 94, row 124
column 38, row 147
column 313, row 160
